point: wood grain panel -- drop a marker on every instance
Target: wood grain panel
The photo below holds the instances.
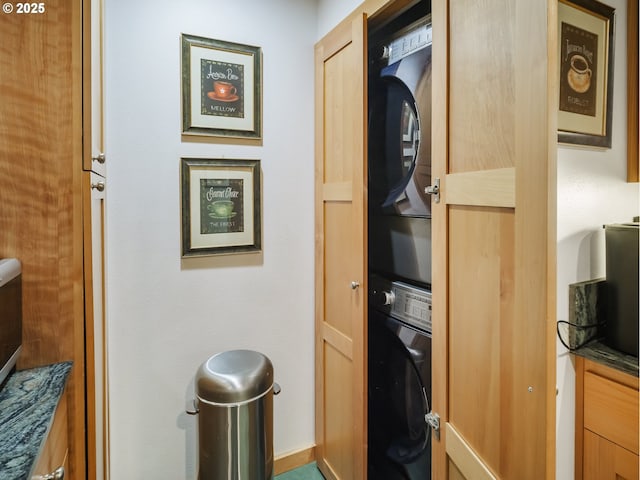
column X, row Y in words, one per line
column 338, row 151
column 485, row 118
column 40, row 193
column 339, row 265
column 611, row 410
column 606, row 460
column 480, row 332
column 454, row 473
column 440, row 464
column 594, row 453
column 466, row 466
column 338, row 340
column 339, row 447
column 626, row 464
column 492, row 188
column 338, row 191
column 599, row 457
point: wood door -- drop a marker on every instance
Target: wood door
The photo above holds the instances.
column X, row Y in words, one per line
column 40, row 189
column 94, row 185
column 606, row 460
column 96, row 329
column 92, row 75
column 494, row 137
column 341, row 252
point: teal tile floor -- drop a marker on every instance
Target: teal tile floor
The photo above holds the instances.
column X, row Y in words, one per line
column 307, row 472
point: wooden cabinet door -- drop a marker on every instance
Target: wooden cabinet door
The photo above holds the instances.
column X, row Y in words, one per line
column 494, row 109
column 341, row 252
column 94, row 189
column 95, row 327
column 604, row 460
column 92, row 75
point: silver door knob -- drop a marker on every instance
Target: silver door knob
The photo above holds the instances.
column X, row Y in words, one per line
column 355, row 285
column 100, row 158
column 98, row 186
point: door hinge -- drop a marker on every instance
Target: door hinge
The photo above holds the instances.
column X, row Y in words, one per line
column 434, row 190
column 433, row 420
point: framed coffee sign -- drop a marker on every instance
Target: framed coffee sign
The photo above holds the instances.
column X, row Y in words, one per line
column 220, row 206
column 221, row 88
column 585, row 37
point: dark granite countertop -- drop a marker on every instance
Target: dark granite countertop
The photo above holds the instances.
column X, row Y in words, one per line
column 599, row 352
column 28, row 401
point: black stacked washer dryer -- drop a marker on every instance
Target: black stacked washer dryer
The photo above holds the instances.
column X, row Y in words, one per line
column 399, row 341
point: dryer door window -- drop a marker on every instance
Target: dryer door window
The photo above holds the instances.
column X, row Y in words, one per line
column 394, row 138
column 410, row 137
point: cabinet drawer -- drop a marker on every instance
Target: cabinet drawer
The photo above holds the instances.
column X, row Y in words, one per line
column 606, row 460
column 611, row 410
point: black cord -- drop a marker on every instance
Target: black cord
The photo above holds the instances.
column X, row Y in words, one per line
column 575, row 325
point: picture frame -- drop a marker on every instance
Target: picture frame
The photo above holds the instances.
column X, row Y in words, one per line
column 221, row 88
column 586, row 55
column 220, row 206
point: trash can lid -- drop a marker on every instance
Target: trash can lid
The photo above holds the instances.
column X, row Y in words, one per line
column 234, row 376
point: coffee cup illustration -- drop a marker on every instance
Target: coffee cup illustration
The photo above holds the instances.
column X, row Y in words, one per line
column 224, row 90
column 579, row 75
column 221, row 208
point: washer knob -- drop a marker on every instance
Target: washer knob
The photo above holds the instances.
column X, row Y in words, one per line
column 388, row 298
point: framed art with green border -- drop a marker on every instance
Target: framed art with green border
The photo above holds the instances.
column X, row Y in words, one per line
column 221, row 206
column 221, row 88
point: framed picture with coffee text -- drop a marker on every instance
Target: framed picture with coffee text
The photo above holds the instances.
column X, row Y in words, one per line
column 220, row 206
column 585, row 37
column 221, row 88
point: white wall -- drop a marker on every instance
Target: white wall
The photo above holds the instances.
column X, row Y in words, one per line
column 331, row 12
column 166, row 316
column 592, row 191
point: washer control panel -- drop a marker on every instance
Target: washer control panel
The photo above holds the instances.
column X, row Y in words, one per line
column 411, row 305
column 403, row 301
column 412, row 41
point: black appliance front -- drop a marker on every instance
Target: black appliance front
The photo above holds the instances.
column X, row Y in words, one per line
column 399, row 439
column 400, row 154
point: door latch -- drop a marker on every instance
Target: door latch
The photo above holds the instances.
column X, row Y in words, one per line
column 434, row 190
column 433, row 420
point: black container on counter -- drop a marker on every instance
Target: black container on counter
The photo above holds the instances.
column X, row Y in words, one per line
column 622, row 287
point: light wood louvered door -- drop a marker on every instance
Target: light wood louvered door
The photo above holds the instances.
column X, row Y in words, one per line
column 494, row 107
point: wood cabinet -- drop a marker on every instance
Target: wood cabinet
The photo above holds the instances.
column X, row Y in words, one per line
column 606, row 422
column 48, row 86
column 494, row 150
column 41, row 193
column 94, row 185
column 55, row 451
column 95, row 327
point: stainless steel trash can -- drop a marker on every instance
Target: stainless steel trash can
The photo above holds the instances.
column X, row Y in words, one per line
column 234, row 391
